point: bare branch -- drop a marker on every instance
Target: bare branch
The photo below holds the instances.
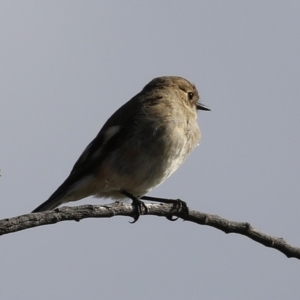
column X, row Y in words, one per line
column 162, row 210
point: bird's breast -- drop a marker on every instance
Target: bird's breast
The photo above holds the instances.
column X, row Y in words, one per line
column 150, row 155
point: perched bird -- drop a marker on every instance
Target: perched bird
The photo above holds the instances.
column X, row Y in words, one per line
column 138, row 147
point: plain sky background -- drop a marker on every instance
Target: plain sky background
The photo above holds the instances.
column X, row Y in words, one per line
column 66, row 66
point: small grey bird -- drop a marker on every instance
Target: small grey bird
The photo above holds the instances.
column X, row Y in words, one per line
column 138, row 147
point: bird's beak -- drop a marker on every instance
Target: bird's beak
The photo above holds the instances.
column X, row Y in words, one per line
column 200, row 106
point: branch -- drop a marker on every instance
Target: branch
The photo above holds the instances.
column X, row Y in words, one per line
column 162, row 210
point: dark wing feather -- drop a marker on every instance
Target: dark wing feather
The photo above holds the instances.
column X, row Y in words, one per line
column 126, row 117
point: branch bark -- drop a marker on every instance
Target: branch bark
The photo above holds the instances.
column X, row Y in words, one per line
column 162, row 210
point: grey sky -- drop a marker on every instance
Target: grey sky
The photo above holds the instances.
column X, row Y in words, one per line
column 66, row 66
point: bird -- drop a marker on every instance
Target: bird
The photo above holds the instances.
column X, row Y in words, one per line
column 138, row 148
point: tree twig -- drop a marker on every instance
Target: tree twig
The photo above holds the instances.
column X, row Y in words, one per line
column 162, row 210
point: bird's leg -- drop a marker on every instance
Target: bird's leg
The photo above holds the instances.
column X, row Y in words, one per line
column 137, row 203
column 179, row 205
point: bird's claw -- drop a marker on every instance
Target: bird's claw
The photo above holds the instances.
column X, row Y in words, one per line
column 180, row 206
column 170, row 218
column 140, row 206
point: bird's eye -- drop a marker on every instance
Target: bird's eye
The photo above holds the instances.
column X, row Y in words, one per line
column 191, row 95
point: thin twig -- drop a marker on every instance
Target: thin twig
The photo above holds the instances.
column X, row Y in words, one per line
column 162, row 210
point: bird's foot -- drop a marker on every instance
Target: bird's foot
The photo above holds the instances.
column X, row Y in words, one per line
column 178, row 206
column 139, row 206
column 181, row 206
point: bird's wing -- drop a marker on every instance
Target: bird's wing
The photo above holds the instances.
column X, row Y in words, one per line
column 118, row 128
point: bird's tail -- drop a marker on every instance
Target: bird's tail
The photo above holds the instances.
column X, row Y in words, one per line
column 60, row 196
column 72, row 189
column 49, row 204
